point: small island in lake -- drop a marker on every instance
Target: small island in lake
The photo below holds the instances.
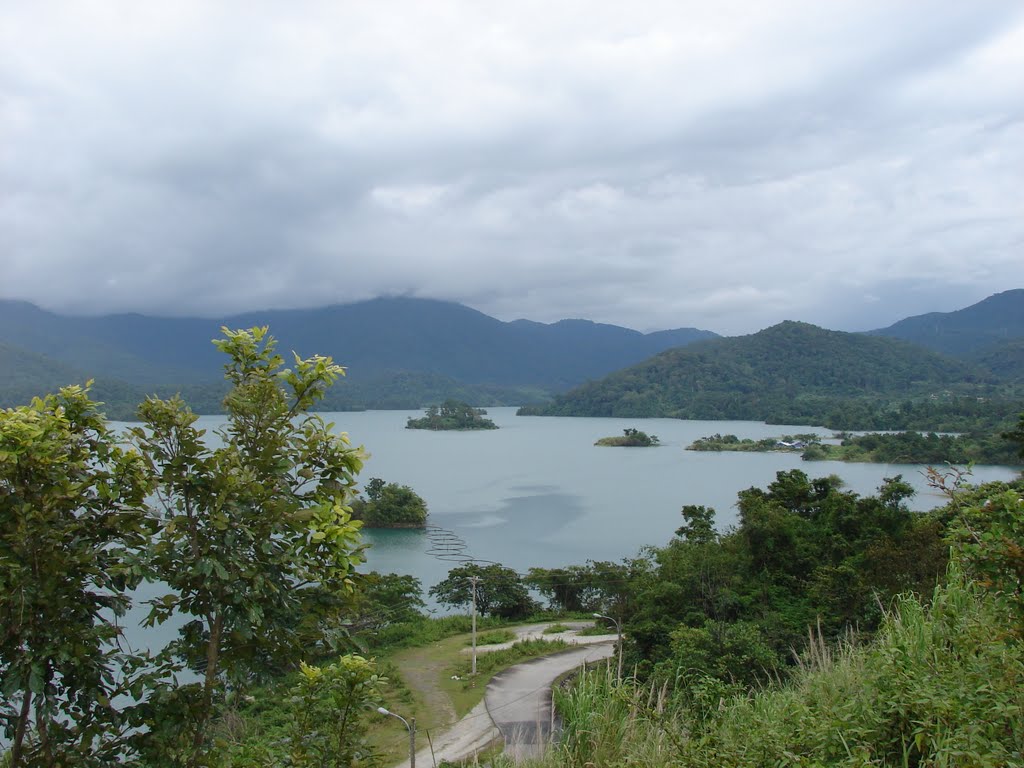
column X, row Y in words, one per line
column 886, row 448
column 390, row 505
column 452, row 414
column 789, row 443
column 630, row 438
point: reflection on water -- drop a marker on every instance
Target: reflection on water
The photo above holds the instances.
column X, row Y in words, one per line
column 487, row 521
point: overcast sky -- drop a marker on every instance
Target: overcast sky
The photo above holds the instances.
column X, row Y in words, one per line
column 725, row 165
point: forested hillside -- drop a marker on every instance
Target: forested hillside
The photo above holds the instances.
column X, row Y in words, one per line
column 796, row 373
column 965, row 332
column 400, row 353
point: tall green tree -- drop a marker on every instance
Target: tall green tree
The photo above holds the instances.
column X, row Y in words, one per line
column 71, row 515
column 254, row 534
column 499, row 590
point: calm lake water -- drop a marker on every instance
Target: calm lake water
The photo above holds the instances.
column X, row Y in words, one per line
column 538, row 492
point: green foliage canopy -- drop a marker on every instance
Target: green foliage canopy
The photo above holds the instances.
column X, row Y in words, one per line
column 804, row 550
column 499, row 591
column 71, row 520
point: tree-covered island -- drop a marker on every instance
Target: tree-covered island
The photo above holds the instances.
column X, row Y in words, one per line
column 454, row 415
column 882, row 448
column 630, row 438
column 918, row 448
column 389, row 505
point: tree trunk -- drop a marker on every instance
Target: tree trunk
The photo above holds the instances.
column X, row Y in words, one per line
column 212, row 655
column 19, row 733
column 44, row 735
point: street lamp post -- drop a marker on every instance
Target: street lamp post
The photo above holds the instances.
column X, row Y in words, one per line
column 410, row 725
column 618, row 631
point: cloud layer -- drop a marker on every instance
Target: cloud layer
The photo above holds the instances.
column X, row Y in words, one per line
column 654, row 165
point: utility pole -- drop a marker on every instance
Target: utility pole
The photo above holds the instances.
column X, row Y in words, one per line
column 473, row 580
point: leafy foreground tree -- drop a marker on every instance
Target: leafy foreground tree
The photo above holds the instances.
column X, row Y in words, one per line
column 71, row 514
column 254, row 540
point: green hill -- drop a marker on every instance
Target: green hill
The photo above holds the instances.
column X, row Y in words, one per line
column 399, row 352
column 965, row 332
column 792, row 372
column 1005, row 359
column 25, row 374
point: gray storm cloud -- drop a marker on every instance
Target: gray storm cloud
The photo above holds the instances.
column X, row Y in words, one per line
column 722, row 165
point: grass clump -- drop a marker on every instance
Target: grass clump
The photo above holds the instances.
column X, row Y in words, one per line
column 556, row 629
column 597, row 629
column 493, row 661
column 426, row 630
column 495, row 637
column 940, row 685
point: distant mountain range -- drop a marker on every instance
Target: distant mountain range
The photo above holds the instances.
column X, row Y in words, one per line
column 799, row 373
column 405, row 353
column 400, row 352
column 966, row 333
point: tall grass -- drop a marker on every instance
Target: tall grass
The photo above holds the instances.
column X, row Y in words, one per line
column 607, row 723
column 940, row 685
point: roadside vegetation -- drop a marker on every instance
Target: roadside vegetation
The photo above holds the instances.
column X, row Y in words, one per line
column 942, row 683
column 556, row 629
column 495, row 637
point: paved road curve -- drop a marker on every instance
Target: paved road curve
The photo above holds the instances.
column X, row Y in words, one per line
column 516, row 708
column 519, row 699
